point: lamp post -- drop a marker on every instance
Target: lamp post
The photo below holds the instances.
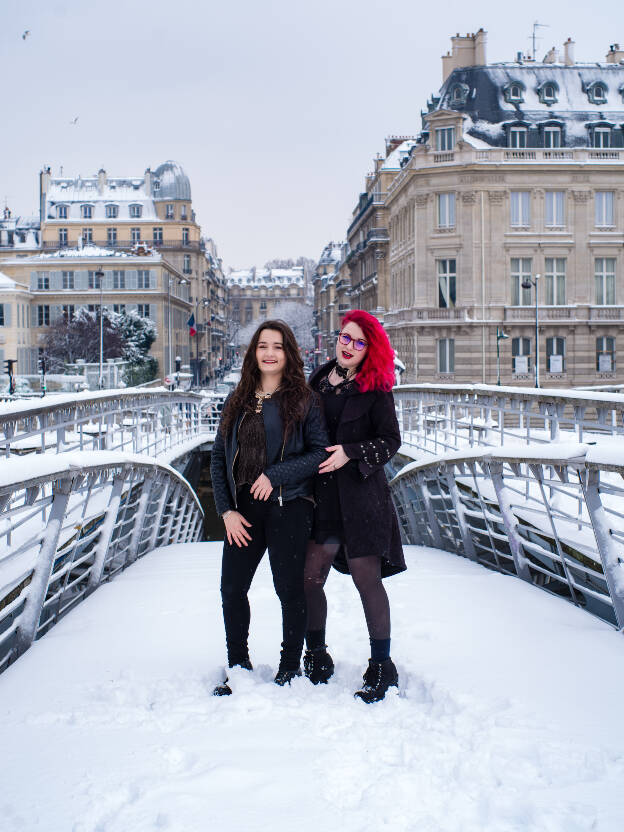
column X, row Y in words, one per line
column 99, row 279
column 500, row 336
column 182, row 282
column 526, row 284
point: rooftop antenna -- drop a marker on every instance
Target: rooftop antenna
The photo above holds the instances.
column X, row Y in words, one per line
column 534, row 37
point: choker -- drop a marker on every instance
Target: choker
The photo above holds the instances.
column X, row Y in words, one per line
column 343, row 372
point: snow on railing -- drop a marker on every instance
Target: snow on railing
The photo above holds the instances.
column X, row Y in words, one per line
column 439, row 418
column 552, row 515
column 138, row 421
column 70, row 521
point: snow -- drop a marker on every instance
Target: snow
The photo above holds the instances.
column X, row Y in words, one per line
column 509, row 718
column 6, row 284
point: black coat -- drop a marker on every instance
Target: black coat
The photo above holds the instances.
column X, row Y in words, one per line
column 369, row 433
column 291, row 464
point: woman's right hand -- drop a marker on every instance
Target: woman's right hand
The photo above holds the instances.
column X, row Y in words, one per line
column 235, row 528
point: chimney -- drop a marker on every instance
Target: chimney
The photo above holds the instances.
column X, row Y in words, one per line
column 551, row 56
column 148, row 181
column 568, row 52
column 615, row 55
column 101, row 180
column 466, row 50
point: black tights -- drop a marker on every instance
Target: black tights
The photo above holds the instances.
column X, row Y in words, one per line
column 366, row 574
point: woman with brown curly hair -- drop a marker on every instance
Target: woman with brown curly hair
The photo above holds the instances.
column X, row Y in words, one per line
column 269, row 444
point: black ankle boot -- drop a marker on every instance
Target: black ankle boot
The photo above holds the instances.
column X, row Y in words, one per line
column 318, row 665
column 379, row 676
column 223, row 689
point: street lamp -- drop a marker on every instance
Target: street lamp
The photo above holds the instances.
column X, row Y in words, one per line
column 500, row 336
column 99, row 278
column 182, row 282
column 526, row 284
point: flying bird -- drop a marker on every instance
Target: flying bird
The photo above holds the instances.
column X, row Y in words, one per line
column 74, row 120
column 26, row 33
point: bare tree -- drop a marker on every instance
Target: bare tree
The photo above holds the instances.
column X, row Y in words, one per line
column 299, row 317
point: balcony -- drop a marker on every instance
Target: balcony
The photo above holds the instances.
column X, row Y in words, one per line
column 545, row 313
column 606, row 313
column 128, row 245
column 378, row 235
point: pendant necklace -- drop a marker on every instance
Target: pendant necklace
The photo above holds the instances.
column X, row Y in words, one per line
column 260, row 398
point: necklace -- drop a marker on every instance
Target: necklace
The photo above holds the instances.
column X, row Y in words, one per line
column 260, row 397
column 342, row 372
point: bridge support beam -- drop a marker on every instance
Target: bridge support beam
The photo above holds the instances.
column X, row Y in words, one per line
column 509, row 519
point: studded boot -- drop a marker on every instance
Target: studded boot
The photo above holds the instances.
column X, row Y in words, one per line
column 378, row 677
column 318, row 665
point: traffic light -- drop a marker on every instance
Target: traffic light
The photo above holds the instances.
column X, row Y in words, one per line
column 42, row 365
column 178, row 364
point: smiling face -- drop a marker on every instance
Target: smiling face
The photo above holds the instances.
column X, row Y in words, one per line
column 270, row 353
column 348, row 356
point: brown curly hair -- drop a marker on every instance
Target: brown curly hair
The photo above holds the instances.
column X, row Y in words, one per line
column 294, row 394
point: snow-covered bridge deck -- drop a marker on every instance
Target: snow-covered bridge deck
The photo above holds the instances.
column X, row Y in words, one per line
column 509, row 718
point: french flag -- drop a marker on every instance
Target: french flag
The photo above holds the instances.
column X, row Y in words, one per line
column 191, row 325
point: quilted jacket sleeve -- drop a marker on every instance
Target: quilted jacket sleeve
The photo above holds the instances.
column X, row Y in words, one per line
column 372, row 454
column 304, row 465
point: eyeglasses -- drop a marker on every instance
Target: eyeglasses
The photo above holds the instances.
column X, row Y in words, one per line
column 345, row 340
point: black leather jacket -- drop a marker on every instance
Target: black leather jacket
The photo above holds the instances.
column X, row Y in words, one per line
column 291, row 465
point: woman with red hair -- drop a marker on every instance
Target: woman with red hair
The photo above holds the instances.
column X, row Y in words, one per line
column 355, row 524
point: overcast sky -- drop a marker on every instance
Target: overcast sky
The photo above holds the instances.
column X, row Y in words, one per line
column 275, row 108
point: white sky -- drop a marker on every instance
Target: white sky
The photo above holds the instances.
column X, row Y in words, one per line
column 275, row 109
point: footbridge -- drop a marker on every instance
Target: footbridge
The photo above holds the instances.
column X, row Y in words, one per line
column 508, row 717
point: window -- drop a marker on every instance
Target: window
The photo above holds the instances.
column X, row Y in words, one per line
column 597, row 92
column 248, row 313
column 136, row 211
column 460, row 93
column 521, row 355
column 447, row 275
column 605, row 354
column 87, row 236
column 552, row 136
column 119, row 279
column 549, row 93
column 144, row 310
column 119, row 308
column 604, row 201
column 111, row 236
column 157, row 233
column 602, row 137
column 518, row 137
column 445, row 138
column 446, row 210
column 68, row 312
column 61, row 212
column 521, row 270
column 604, row 275
column 86, row 212
column 520, row 209
column 186, row 269
column 555, row 281
column 169, row 211
column 135, row 235
column 143, row 279
column 43, row 316
column 112, row 211
column 92, row 308
column 62, row 238
column 68, row 280
column 156, row 185
column 555, row 355
column 555, row 202
column 235, row 312
column 263, row 306
column 94, row 282
column 446, row 355
column 185, row 236
column 515, row 92
column 43, row 280
column 1, row 314
column 183, row 212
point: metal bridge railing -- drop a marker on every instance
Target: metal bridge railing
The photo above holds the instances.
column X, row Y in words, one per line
column 551, row 515
column 135, row 421
column 69, row 522
column 436, row 419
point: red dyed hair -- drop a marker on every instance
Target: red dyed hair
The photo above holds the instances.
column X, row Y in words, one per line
column 377, row 370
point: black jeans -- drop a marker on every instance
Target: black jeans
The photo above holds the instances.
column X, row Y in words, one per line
column 285, row 531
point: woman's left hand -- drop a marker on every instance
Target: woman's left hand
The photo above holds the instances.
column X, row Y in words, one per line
column 336, row 460
column 261, row 489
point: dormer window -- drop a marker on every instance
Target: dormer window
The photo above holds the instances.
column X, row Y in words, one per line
column 445, row 138
column 517, row 136
column 112, row 211
column 514, row 92
column 597, row 92
column 136, row 211
column 459, row 94
column 547, row 92
column 61, row 212
column 86, row 212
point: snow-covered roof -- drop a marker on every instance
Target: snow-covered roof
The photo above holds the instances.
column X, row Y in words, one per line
column 88, row 252
column 6, row 283
column 173, row 182
column 266, row 277
column 392, row 162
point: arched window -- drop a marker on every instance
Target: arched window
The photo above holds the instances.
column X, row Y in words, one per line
column 597, row 92
column 514, row 92
column 548, row 92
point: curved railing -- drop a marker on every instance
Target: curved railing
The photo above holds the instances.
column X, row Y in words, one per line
column 70, row 521
column 439, row 418
column 551, row 514
column 137, row 421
